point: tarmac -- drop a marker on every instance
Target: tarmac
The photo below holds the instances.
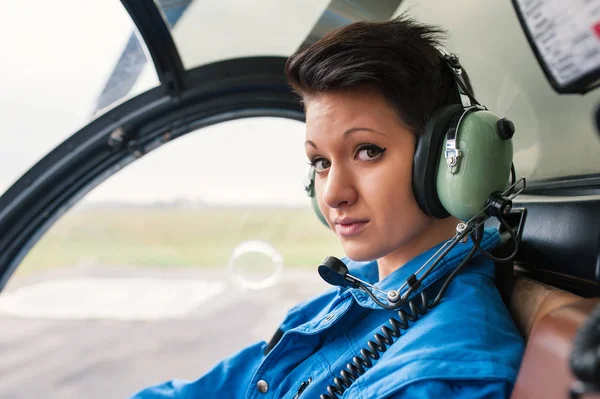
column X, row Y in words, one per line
column 107, row 332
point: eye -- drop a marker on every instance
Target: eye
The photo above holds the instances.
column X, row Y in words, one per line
column 368, row 152
column 320, row 164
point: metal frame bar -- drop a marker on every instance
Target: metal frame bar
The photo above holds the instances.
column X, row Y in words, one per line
column 571, row 185
column 153, row 29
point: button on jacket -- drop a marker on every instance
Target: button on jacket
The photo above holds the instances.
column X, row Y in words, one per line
column 465, row 347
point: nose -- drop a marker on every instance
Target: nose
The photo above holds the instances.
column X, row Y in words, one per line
column 339, row 189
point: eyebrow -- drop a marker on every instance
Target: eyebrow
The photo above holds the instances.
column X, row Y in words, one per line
column 356, row 129
column 347, row 133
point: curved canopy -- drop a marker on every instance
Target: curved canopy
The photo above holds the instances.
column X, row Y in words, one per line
column 93, row 56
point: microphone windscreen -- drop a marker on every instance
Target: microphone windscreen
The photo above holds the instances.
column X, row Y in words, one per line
column 334, row 271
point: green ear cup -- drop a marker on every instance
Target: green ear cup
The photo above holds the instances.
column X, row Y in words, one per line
column 482, row 168
column 309, row 187
column 315, row 205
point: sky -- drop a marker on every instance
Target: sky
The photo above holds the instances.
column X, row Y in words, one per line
column 47, row 87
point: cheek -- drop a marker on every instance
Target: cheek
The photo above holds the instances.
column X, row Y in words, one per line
column 388, row 191
column 396, row 205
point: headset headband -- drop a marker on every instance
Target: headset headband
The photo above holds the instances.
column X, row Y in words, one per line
column 466, row 97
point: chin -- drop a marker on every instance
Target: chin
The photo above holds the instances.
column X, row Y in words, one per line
column 361, row 253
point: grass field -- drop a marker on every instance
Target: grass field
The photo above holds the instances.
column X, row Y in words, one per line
column 174, row 237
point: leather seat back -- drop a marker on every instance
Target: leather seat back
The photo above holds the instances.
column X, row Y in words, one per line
column 548, row 318
column 531, row 300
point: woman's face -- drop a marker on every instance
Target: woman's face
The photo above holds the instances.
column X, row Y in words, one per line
column 363, row 156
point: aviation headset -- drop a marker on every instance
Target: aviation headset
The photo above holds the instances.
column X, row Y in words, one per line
column 463, row 156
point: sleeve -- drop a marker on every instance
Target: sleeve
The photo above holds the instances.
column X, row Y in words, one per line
column 456, row 389
column 228, row 379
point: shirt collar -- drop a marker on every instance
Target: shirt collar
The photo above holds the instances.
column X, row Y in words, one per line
column 368, row 271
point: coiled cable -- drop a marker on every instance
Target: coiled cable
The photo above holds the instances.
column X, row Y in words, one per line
column 380, row 343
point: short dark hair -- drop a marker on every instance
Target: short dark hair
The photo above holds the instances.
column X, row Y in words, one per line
column 398, row 57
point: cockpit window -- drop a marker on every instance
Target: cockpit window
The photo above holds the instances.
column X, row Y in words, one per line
column 196, row 234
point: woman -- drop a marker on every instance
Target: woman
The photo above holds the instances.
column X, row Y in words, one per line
column 369, row 90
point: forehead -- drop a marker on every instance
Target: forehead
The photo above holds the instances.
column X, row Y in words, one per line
column 344, row 109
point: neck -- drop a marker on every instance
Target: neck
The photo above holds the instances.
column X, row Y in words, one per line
column 434, row 233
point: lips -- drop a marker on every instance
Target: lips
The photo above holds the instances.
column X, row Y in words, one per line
column 347, row 227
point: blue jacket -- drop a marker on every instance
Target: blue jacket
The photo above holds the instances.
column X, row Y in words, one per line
column 466, row 347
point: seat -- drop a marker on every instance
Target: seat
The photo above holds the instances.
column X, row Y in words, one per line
column 531, row 300
column 548, row 319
